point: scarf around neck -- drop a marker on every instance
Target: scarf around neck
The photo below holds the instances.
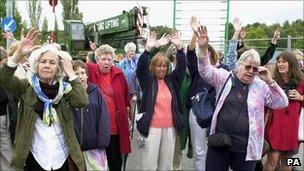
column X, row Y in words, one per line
column 49, row 113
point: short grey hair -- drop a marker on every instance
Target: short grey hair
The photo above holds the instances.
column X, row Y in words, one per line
column 130, row 46
column 250, row 54
column 104, row 49
column 37, row 54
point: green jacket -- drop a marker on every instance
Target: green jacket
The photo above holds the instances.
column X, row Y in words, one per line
column 26, row 121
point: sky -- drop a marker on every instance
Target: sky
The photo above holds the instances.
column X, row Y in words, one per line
column 161, row 12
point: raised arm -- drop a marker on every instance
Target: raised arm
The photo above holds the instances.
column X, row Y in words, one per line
column 212, row 75
column 142, row 70
column 271, row 49
column 178, row 73
column 7, row 80
column 232, row 54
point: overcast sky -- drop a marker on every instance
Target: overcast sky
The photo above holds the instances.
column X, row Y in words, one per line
column 161, row 12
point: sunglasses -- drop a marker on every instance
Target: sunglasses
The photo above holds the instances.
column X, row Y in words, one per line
column 249, row 67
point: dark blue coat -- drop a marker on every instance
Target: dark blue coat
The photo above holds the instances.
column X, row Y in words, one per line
column 91, row 124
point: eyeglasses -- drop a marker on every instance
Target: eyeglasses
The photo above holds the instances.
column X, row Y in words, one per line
column 249, row 67
column 104, row 59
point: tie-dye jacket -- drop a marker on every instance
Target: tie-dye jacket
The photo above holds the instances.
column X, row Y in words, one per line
column 260, row 94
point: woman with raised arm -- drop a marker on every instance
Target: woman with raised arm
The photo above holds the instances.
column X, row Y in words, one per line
column 198, row 84
column 45, row 139
column 160, row 114
column 237, row 131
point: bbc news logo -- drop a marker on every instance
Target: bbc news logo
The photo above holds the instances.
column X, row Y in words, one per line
column 293, row 162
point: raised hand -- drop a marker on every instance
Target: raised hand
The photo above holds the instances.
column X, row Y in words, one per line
column 93, row 46
column 194, row 25
column 203, row 39
column 237, row 24
column 276, row 35
column 26, row 45
column 237, row 28
column 176, row 40
column 67, row 64
column 164, row 40
column 151, row 41
column 8, row 35
column 264, row 74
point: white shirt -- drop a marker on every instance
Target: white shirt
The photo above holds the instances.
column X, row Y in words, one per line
column 48, row 146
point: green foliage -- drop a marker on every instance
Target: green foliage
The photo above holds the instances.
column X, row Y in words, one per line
column 34, row 11
column 71, row 10
column 261, row 31
column 44, row 31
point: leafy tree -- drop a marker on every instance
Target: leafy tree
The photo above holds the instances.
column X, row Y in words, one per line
column 44, row 31
column 34, row 11
column 71, row 10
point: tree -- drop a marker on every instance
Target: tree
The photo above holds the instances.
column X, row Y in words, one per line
column 34, row 10
column 71, row 10
column 44, row 31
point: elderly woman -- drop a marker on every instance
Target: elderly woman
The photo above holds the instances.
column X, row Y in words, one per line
column 91, row 123
column 113, row 85
column 160, row 114
column 237, row 131
column 45, row 139
column 282, row 128
column 128, row 66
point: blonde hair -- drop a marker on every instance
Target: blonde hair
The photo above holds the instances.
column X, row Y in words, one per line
column 158, row 58
column 104, row 49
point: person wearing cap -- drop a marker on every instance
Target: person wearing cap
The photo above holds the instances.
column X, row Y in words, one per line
column 45, row 137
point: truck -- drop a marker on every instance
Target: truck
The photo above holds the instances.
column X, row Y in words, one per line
column 130, row 26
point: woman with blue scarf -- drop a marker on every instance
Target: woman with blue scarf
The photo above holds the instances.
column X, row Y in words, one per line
column 45, row 138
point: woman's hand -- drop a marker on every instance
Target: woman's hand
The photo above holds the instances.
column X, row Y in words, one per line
column 67, row 66
column 176, row 40
column 276, row 35
column 26, row 45
column 295, row 95
column 151, row 41
column 93, row 46
column 164, row 40
column 265, row 75
column 194, row 25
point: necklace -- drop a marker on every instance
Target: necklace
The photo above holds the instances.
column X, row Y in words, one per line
column 241, row 90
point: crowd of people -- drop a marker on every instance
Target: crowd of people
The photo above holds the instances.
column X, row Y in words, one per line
column 60, row 114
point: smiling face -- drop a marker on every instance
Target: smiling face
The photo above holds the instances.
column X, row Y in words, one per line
column 48, row 66
column 161, row 69
column 131, row 54
column 247, row 70
column 282, row 65
column 104, row 62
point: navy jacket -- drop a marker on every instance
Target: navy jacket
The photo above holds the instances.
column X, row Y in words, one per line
column 198, row 83
column 149, row 86
column 91, row 124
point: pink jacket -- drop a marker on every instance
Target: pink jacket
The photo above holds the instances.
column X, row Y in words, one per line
column 260, row 94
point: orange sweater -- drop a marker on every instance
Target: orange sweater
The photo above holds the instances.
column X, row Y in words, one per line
column 162, row 116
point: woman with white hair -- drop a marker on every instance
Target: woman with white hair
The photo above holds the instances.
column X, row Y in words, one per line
column 128, row 65
column 237, row 131
column 45, row 138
